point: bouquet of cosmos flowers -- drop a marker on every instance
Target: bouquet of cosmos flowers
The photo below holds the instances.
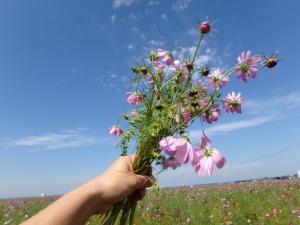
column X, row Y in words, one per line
column 167, row 96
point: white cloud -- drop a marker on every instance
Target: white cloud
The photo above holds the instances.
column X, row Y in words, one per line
column 193, row 32
column 153, row 3
column 66, row 139
column 113, row 18
column 119, row 3
column 130, row 46
column 163, row 16
column 180, row 5
column 209, row 56
column 156, row 43
column 281, row 105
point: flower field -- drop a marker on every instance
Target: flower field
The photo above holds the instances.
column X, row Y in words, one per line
column 259, row 202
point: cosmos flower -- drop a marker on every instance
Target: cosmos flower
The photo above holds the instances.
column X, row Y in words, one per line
column 247, row 65
column 182, row 70
column 134, row 113
column 233, row 102
column 217, row 79
column 134, row 98
column 180, row 148
column 207, row 157
column 212, row 114
column 116, row 130
column 165, row 56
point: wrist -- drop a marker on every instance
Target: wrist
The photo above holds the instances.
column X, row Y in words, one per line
column 95, row 195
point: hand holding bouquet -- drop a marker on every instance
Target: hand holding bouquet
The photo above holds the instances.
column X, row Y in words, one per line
column 167, row 96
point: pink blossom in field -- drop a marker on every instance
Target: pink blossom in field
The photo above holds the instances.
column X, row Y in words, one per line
column 217, row 79
column 115, row 130
column 247, row 66
column 165, row 56
column 170, row 163
column 180, row 148
column 207, row 157
column 233, row 102
column 212, row 114
column 134, row 98
column 134, row 113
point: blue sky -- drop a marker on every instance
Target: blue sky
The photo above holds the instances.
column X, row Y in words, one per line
column 64, row 66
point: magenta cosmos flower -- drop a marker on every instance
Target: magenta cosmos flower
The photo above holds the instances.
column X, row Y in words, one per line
column 116, row 130
column 134, row 98
column 165, row 56
column 233, row 102
column 212, row 114
column 247, row 65
column 178, row 67
column 134, row 113
column 179, row 148
column 217, row 79
column 207, row 157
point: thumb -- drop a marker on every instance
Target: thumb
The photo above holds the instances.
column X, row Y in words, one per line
column 144, row 181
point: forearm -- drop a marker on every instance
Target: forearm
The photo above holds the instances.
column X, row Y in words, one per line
column 74, row 208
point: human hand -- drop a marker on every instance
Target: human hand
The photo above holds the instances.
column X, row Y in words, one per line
column 118, row 182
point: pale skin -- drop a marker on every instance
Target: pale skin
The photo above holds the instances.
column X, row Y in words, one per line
column 97, row 196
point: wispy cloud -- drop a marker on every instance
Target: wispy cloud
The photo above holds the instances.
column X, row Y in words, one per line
column 113, row 18
column 208, row 56
column 156, row 43
column 227, row 127
column 280, row 105
column 119, row 3
column 163, row 16
column 180, row 5
column 65, row 139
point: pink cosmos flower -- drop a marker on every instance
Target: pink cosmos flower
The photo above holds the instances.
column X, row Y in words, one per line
column 158, row 65
column 150, row 79
column 233, row 102
column 134, row 113
column 180, row 148
column 170, row 163
column 217, row 79
column 134, row 98
column 165, row 56
column 185, row 116
column 116, row 130
column 207, row 157
column 247, row 66
column 184, row 73
column 212, row 114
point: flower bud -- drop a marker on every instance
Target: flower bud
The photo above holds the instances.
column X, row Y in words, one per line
column 205, row 27
column 153, row 56
column 189, row 66
column 271, row 62
column 193, row 93
column 135, row 70
column 144, row 70
column 204, row 71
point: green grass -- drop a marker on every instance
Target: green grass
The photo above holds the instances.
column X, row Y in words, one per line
column 261, row 202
